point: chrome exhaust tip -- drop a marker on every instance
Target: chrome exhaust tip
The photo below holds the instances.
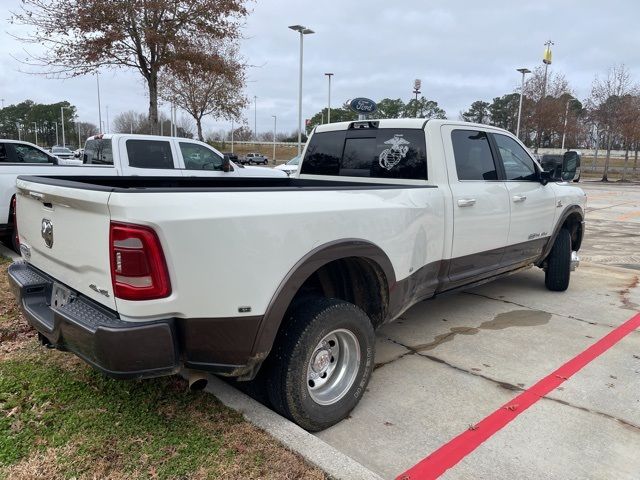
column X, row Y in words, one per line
column 197, row 381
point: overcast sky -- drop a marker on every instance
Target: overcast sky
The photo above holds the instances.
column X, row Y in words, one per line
column 462, row 50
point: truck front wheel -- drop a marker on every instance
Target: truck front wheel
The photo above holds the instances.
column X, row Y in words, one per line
column 558, row 272
column 321, row 362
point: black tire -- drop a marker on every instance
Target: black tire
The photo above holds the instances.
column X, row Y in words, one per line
column 558, row 271
column 307, row 324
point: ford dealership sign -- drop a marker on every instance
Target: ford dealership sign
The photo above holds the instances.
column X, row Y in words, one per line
column 363, row 106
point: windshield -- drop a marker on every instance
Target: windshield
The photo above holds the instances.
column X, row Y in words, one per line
column 61, row 150
column 294, row 161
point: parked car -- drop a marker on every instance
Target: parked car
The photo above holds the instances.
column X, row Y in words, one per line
column 150, row 155
column 256, row 158
column 556, row 162
column 290, row 167
column 232, row 156
column 63, row 153
column 381, row 215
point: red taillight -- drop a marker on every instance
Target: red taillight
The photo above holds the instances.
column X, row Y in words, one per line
column 138, row 267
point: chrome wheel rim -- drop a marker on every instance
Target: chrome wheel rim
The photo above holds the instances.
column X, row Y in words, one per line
column 333, row 367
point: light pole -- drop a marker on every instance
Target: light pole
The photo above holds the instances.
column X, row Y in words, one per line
column 302, row 31
column 35, row 129
column 523, row 71
column 329, row 75
column 18, row 127
column 2, row 100
column 546, row 59
column 255, row 118
column 99, row 107
column 566, row 115
column 232, row 127
column 108, row 126
column 417, row 84
column 62, row 123
column 57, row 141
column 275, row 122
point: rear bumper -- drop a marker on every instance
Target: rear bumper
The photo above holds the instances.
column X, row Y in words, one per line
column 124, row 349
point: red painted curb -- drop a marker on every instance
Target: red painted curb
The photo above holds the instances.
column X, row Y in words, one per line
column 453, row 452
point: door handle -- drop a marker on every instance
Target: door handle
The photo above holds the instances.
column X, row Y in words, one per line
column 519, row 198
column 466, row 202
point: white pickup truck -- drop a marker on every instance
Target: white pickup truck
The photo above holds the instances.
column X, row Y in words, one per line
column 143, row 277
column 116, row 154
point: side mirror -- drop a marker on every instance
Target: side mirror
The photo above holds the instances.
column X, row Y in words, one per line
column 569, row 166
column 54, row 160
column 226, row 164
column 545, row 177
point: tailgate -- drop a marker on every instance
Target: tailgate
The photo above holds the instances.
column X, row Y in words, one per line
column 66, row 231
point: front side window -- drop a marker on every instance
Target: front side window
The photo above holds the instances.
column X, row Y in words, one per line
column 473, row 157
column 29, row 154
column 375, row 153
column 199, row 157
column 518, row 165
column 98, row 152
column 149, row 154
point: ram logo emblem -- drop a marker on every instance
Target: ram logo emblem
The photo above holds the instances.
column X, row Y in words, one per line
column 46, row 231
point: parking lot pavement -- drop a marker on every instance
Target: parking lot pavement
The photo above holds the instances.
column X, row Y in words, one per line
column 613, row 224
column 450, row 362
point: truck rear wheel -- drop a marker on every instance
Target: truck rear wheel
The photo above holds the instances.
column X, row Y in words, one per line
column 321, row 362
column 558, row 272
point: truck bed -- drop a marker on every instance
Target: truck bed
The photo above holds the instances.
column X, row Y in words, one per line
column 206, row 184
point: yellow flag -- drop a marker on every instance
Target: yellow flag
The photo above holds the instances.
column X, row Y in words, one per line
column 546, row 58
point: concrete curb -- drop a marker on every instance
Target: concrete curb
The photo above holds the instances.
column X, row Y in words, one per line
column 333, row 462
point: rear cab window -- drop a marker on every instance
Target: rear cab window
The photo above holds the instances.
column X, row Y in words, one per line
column 386, row 153
column 473, row 157
column 98, row 151
column 149, row 154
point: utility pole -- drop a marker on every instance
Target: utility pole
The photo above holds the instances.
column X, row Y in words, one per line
column 232, row 135
column 329, row 75
column 566, row 115
column 255, row 118
column 99, row 107
column 62, row 123
column 546, row 59
column 275, row 120
column 302, row 31
column 524, row 71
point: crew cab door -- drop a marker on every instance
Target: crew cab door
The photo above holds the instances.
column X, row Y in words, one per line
column 532, row 204
column 152, row 157
column 197, row 160
column 480, row 204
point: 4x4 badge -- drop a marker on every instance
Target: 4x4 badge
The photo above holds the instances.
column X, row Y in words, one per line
column 46, row 231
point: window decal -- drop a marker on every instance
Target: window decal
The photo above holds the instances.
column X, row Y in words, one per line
column 390, row 157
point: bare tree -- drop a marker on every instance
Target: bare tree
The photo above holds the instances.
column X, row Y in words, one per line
column 606, row 99
column 547, row 113
column 201, row 92
column 150, row 36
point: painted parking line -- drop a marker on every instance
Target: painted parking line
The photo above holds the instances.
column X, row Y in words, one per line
column 453, row 452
